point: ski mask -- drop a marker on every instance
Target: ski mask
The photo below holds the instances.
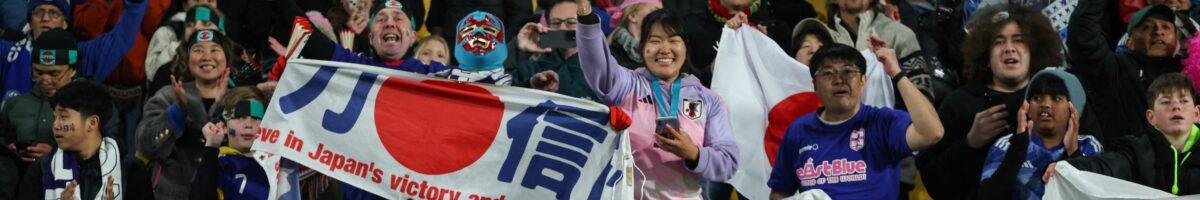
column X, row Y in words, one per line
column 479, row 44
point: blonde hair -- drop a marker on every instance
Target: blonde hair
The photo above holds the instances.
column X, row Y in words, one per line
column 627, row 15
column 433, row 38
column 428, row 39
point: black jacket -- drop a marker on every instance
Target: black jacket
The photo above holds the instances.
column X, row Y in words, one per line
column 951, row 169
column 1146, row 159
column 1116, row 81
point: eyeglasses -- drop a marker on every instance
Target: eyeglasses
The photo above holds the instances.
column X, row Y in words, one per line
column 570, row 22
column 52, row 13
column 845, row 74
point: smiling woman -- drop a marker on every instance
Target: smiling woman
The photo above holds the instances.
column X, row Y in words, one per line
column 682, row 133
column 169, row 134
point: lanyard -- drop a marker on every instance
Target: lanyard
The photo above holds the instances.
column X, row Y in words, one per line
column 663, row 111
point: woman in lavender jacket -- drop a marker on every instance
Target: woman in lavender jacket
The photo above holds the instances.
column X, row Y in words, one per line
column 696, row 140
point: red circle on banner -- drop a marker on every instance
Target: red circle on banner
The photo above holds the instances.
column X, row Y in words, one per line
column 782, row 115
column 436, row 127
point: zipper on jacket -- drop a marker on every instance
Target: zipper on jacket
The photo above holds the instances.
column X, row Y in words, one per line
column 1175, row 180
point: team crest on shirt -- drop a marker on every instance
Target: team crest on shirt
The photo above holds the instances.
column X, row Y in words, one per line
column 857, row 140
column 693, row 108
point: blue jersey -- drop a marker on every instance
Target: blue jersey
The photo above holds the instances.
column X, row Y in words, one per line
column 241, row 177
column 1037, row 157
column 856, row 159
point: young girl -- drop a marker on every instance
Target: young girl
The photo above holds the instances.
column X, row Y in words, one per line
column 430, row 49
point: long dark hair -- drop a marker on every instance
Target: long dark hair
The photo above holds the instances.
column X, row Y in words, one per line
column 673, row 26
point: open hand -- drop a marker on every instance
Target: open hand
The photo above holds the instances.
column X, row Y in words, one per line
column 180, row 94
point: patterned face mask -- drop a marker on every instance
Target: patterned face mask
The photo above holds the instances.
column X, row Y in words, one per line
column 479, row 44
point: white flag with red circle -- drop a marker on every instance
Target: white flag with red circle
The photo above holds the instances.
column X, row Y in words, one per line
column 403, row 135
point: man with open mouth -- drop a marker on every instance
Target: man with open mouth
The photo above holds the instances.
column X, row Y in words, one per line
column 1119, row 79
column 390, row 34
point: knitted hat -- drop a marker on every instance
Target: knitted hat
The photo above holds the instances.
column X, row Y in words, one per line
column 375, row 9
column 1074, row 89
column 55, row 47
column 205, row 13
column 63, row 6
column 205, row 36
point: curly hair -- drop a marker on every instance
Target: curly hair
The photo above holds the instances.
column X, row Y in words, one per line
column 1041, row 40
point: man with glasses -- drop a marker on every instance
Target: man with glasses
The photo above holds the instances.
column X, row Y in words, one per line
column 104, row 52
column 548, row 67
column 26, row 120
column 845, row 148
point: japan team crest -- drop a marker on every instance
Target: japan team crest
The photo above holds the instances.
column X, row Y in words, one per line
column 857, row 140
column 693, row 108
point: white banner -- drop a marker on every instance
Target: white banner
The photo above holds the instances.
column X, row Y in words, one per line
column 403, row 135
column 1071, row 183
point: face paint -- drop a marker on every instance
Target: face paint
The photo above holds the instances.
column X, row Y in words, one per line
column 479, row 44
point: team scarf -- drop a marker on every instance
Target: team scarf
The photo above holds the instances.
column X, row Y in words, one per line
column 64, row 168
column 494, row 76
column 722, row 15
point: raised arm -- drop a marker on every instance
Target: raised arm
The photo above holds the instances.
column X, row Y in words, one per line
column 102, row 55
column 926, row 128
column 1094, row 59
column 607, row 78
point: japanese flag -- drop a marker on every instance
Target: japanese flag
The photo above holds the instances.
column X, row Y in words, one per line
column 770, row 89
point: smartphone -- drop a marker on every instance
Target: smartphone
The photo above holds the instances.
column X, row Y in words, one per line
column 992, row 99
column 21, row 146
column 661, row 125
column 558, row 39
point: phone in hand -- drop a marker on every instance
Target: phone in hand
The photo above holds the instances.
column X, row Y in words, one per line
column 661, row 125
column 992, row 99
column 557, row 39
column 22, row 146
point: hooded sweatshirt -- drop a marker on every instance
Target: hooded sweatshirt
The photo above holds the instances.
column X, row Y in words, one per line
column 701, row 113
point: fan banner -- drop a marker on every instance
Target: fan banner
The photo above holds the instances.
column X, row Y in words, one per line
column 403, row 135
